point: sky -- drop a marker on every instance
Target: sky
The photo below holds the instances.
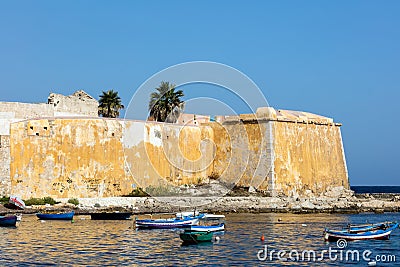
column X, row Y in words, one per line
column 340, row 59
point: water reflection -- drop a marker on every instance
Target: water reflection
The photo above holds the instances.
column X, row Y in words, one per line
column 93, row 243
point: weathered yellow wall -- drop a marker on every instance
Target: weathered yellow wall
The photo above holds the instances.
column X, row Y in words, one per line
column 308, row 157
column 222, row 151
column 67, row 158
column 159, row 154
column 85, row 157
column 281, row 156
column 244, row 152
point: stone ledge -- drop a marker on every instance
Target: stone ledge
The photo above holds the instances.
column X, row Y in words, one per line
column 143, row 205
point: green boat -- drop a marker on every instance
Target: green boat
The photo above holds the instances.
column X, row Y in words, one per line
column 194, row 237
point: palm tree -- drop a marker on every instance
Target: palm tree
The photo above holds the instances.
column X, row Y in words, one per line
column 110, row 104
column 165, row 104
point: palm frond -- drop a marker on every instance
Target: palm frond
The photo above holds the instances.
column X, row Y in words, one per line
column 110, row 104
column 165, row 104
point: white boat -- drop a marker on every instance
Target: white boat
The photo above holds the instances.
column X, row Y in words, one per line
column 17, row 202
column 213, row 216
column 167, row 223
column 197, row 213
column 209, row 223
column 186, row 214
column 206, row 228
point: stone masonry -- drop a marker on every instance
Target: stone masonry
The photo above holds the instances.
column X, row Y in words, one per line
column 77, row 104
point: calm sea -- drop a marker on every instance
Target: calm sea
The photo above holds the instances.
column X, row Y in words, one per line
column 115, row 243
column 376, row 189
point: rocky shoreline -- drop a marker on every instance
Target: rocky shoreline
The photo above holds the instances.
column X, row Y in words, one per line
column 340, row 202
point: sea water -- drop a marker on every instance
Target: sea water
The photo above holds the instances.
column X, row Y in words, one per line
column 376, row 189
column 118, row 243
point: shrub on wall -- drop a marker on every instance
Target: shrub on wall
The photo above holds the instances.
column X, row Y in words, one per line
column 4, row 200
column 40, row 201
column 73, row 201
column 137, row 192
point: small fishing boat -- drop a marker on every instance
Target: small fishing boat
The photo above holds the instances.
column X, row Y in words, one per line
column 56, row 216
column 383, row 233
column 7, row 221
column 191, row 237
column 206, row 228
column 16, row 203
column 177, row 222
column 209, row 223
column 110, row 215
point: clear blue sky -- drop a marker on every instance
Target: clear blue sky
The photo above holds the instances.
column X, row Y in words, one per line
column 336, row 58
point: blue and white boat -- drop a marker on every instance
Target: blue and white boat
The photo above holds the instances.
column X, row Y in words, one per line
column 206, row 228
column 177, row 222
column 361, row 233
column 209, row 223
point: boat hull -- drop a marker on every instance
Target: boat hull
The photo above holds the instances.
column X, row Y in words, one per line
column 206, row 228
column 110, row 216
column 381, row 234
column 191, row 237
column 165, row 224
column 56, row 216
column 8, row 221
column 335, row 237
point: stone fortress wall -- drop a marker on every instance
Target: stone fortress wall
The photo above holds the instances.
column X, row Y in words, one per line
column 78, row 104
column 84, row 157
column 283, row 152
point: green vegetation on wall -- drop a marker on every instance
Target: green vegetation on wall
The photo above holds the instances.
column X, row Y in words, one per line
column 40, row 201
